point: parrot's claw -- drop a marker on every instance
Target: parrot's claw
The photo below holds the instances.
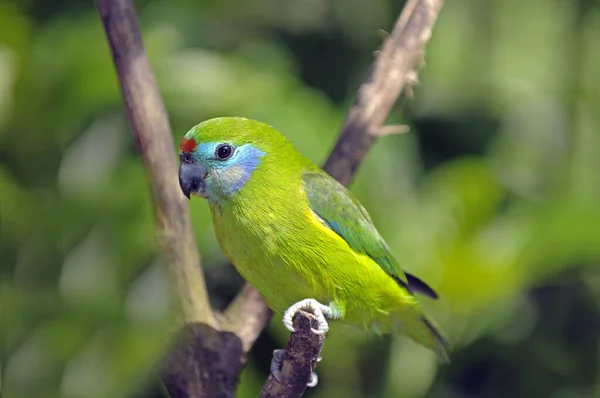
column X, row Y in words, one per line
column 320, row 311
column 314, row 380
column 276, row 364
column 276, row 369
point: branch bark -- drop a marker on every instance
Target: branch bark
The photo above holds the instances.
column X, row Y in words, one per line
column 395, row 66
column 203, row 363
column 193, row 368
column 298, row 361
column 150, row 129
column 247, row 316
column 196, row 367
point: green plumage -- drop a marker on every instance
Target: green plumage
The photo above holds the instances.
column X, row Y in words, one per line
column 294, row 232
column 344, row 214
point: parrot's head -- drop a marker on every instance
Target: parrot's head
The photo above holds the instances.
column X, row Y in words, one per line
column 219, row 156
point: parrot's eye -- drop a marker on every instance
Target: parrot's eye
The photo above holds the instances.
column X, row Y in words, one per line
column 224, row 152
column 186, row 158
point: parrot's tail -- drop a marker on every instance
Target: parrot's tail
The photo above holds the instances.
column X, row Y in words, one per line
column 428, row 334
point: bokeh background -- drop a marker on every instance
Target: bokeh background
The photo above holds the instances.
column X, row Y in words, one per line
column 492, row 198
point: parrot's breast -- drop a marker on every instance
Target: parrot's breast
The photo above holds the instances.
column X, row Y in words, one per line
column 276, row 252
column 286, row 252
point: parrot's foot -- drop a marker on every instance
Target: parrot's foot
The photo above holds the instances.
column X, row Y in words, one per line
column 276, row 369
column 321, row 311
column 314, row 380
column 276, row 364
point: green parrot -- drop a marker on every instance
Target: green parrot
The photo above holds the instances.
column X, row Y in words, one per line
column 297, row 235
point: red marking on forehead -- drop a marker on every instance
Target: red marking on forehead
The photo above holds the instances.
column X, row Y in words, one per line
column 188, row 145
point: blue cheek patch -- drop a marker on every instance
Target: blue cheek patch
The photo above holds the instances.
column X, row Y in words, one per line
column 229, row 176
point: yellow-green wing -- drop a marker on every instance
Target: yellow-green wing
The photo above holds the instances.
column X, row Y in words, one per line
column 339, row 209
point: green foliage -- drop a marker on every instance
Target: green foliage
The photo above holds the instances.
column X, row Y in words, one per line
column 492, row 198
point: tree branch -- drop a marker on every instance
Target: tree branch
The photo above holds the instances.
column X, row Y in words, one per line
column 205, row 361
column 297, row 363
column 150, row 129
column 247, row 316
column 395, row 66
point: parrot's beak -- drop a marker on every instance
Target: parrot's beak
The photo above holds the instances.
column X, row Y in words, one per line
column 191, row 179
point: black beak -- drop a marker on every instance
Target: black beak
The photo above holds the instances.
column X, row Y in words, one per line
column 191, row 179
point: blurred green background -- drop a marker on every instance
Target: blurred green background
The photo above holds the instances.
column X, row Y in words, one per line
column 492, row 198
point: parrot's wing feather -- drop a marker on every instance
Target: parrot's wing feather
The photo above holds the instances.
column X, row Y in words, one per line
column 339, row 209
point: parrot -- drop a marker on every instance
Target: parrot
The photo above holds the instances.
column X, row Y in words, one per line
column 301, row 238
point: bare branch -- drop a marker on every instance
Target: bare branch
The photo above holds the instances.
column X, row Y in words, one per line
column 394, row 67
column 247, row 316
column 297, row 363
column 203, row 363
column 152, row 134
